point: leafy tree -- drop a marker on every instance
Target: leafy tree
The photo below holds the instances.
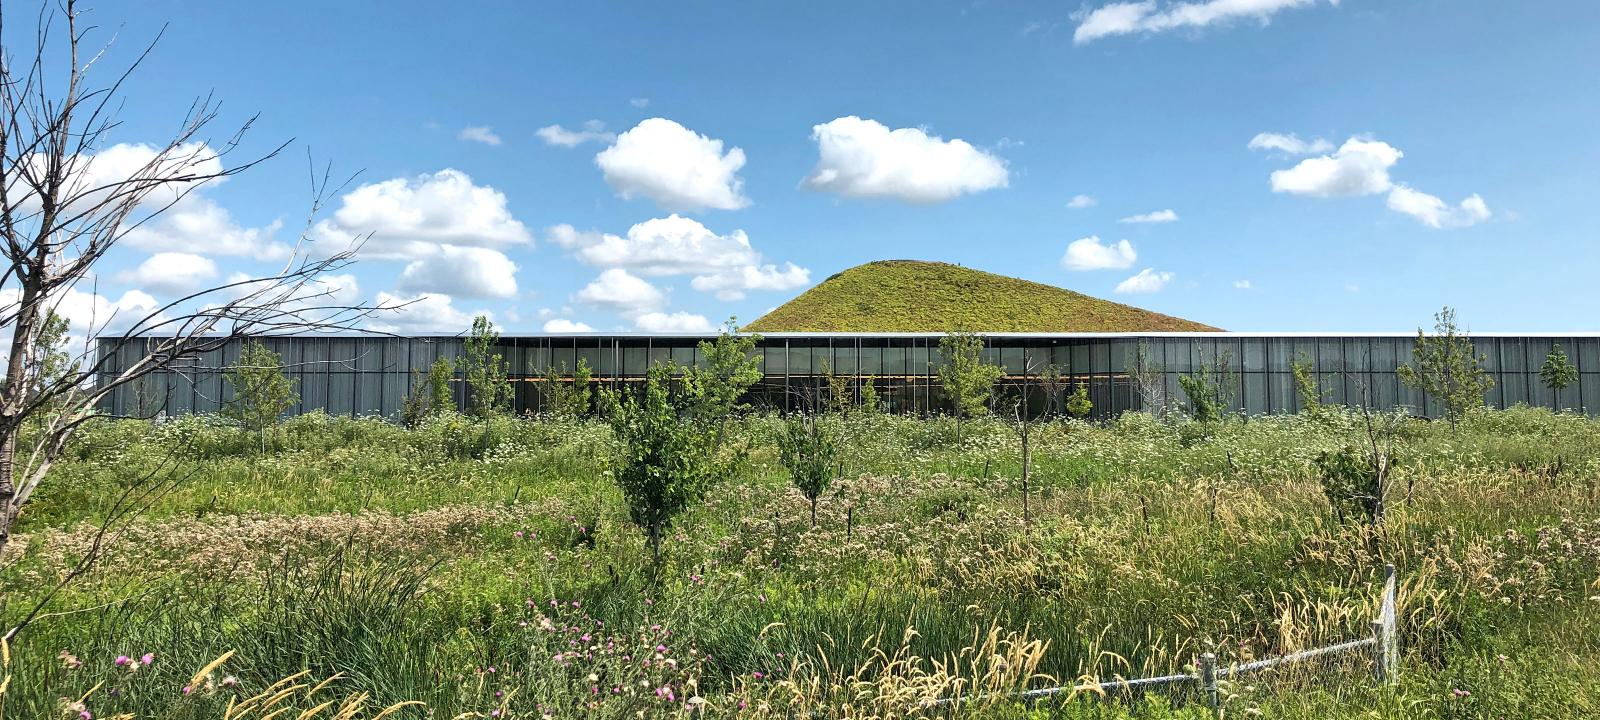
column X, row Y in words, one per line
column 839, row 398
column 1078, row 403
column 261, row 392
column 966, row 378
column 716, row 385
column 1211, row 389
column 568, row 401
column 1446, row 367
column 489, row 392
column 869, row 397
column 49, row 363
column 665, row 460
column 808, row 448
column 1557, row 372
column 1305, row 384
column 430, row 394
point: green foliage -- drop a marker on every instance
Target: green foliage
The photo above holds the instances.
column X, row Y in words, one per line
column 1306, row 386
column 1211, row 389
column 565, row 399
column 50, row 365
column 1078, row 403
column 808, row 448
column 666, row 453
column 729, row 366
column 430, row 394
column 914, row 296
column 488, row 390
column 1149, row 378
column 869, row 397
column 967, row 380
column 261, row 392
column 1557, row 372
column 1348, row 481
column 1053, row 382
column 1446, row 367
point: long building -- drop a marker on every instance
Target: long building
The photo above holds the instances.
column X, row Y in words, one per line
column 371, row 375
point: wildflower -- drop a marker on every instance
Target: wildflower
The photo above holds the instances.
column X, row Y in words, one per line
column 147, row 659
column 122, row 661
column 757, row 675
column 1459, row 693
column 230, row 682
column 70, row 661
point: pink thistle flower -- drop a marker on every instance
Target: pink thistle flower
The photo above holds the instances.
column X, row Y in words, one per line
column 148, row 658
column 122, row 660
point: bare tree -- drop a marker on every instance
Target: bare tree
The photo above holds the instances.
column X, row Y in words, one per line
column 1149, row 378
column 61, row 213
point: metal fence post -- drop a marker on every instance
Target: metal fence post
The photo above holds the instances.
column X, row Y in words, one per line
column 1208, row 679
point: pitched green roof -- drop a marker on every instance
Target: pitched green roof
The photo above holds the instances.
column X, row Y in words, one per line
column 916, row 296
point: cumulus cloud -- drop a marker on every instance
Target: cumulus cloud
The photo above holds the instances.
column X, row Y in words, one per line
column 674, row 166
column 196, row 223
column 1435, row 213
column 463, row 272
column 864, row 158
column 171, row 273
column 1147, row 16
column 563, row 325
column 1146, row 281
column 672, row 322
column 1089, row 254
column 593, row 131
column 1079, row 202
column 731, row 284
column 163, row 177
column 415, row 314
column 622, row 292
column 1242, row 285
column 479, row 134
column 1158, row 216
column 676, row 245
column 406, row 218
column 1289, row 144
column 88, row 314
column 1359, row 167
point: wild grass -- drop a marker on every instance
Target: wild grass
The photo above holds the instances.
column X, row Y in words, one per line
column 476, row 568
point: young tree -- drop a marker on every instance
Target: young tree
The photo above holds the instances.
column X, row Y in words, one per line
column 1078, row 403
column 1211, row 389
column 1149, row 377
column 1557, row 373
column 966, row 378
column 809, row 448
column 1446, row 367
column 1053, row 382
column 717, row 384
column 1306, row 386
column 261, row 392
column 869, row 397
column 666, row 460
column 568, row 401
column 489, row 393
column 62, row 212
column 429, row 395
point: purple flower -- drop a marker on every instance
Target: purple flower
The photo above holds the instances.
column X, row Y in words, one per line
column 122, row 660
column 147, row 659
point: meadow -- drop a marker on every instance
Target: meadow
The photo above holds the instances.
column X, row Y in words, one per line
column 354, row 568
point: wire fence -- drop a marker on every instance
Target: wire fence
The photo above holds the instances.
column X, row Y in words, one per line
column 1382, row 644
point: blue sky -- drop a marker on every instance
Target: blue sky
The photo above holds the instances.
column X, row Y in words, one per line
column 1408, row 153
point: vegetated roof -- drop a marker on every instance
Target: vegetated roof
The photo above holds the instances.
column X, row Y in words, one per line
column 917, row 296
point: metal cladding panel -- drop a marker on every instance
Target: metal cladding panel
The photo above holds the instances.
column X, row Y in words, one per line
column 369, row 393
column 1253, row 354
column 341, row 393
column 1253, row 392
column 1514, row 389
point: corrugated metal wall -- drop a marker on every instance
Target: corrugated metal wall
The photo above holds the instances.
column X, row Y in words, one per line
column 372, row 375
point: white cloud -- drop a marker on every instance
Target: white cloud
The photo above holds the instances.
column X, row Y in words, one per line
column 1159, row 216
column 674, row 166
column 171, row 273
column 406, row 218
column 125, row 168
column 1433, row 212
column 676, row 245
column 1146, row 281
column 1079, row 202
column 1359, row 167
column 563, row 325
column 1089, row 254
column 1242, row 285
column 1289, row 144
column 864, row 158
column 593, row 131
column 462, row 272
column 196, row 224
column 1146, row 16
column 680, row 322
column 732, row 284
column 479, row 133
column 622, row 292
column 424, row 313
column 88, row 314
column 639, row 102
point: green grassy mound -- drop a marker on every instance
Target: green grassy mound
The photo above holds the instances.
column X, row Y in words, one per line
column 916, row 296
